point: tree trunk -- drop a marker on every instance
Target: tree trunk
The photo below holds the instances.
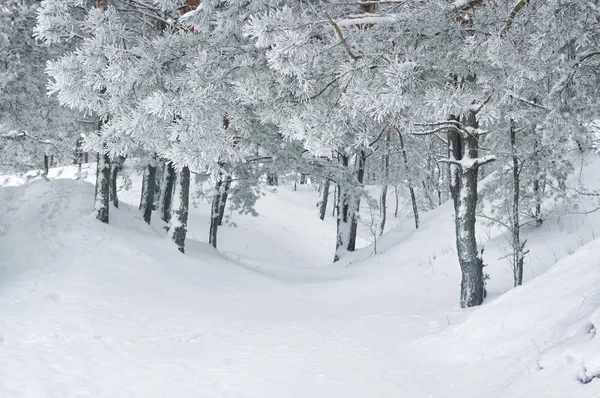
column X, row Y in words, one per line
column 397, row 200
column 347, row 206
column 217, row 209
column 102, row 195
column 181, row 200
column 518, row 255
column 335, row 195
column 413, row 198
column 46, row 165
column 166, row 189
column 79, row 156
column 160, row 169
column 384, row 188
column 324, row 198
column 115, row 166
column 537, row 182
column 463, row 186
column 148, row 190
column 303, row 179
column 272, row 179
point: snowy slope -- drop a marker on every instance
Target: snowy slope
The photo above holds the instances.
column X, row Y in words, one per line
column 115, row 311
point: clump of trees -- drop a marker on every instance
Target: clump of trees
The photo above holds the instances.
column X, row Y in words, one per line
column 419, row 97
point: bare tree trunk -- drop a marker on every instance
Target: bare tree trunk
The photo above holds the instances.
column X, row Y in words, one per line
column 223, row 201
column 384, row 188
column 217, row 210
column 166, row 189
column 148, row 190
column 115, row 166
column 46, row 165
column 303, row 178
column 397, row 200
column 463, row 187
column 335, row 196
column 272, row 179
column 518, row 255
column 411, row 189
column 324, row 198
column 79, row 156
column 537, row 182
column 102, row 194
column 181, row 200
column 160, row 170
column 361, row 158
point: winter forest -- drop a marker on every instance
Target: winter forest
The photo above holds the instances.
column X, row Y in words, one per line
column 299, row 198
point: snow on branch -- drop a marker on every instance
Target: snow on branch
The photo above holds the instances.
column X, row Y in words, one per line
column 469, row 163
column 513, row 13
column 18, row 134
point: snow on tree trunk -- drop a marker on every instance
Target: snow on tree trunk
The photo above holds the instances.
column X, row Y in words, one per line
column 347, row 206
column 148, row 190
column 537, row 182
column 517, row 246
column 464, row 167
column 79, row 156
column 115, row 166
column 223, row 201
column 160, row 169
column 181, row 199
column 166, row 189
column 102, row 196
column 322, row 205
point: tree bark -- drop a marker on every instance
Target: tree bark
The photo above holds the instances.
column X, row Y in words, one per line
column 217, row 210
column 166, row 189
column 102, row 193
column 384, row 188
column 518, row 255
column 148, row 190
column 348, row 205
column 272, row 179
column 181, row 200
column 411, row 189
column 79, row 156
column 537, row 182
column 115, row 166
column 324, row 198
column 463, row 186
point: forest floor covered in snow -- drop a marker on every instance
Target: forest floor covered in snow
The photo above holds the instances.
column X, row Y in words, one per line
column 94, row 310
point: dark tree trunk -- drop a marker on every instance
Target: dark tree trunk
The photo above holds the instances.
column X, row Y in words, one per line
column 46, row 165
column 166, row 189
column 102, row 194
column 217, row 211
column 272, row 179
column 181, row 196
column 384, row 188
column 148, row 190
column 335, row 195
column 79, row 156
column 411, row 189
column 537, row 182
column 348, row 205
column 303, row 179
column 463, row 186
column 324, row 198
column 397, row 200
column 518, row 255
column 361, row 158
column 115, row 166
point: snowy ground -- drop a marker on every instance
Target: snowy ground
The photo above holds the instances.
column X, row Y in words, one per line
column 90, row 310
